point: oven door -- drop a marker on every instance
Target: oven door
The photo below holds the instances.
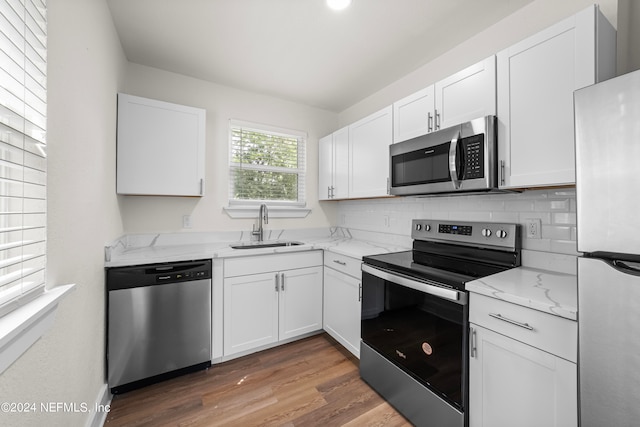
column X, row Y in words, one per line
column 419, row 327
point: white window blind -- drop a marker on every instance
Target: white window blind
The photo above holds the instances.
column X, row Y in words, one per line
column 23, row 105
column 267, row 164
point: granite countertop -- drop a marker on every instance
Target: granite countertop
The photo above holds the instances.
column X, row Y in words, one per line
column 548, row 291
column 173, row 247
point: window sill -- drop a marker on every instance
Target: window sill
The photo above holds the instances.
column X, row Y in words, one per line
column 274, row 211
column 21, row 328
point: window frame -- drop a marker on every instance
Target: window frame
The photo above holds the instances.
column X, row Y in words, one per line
column 301, row 171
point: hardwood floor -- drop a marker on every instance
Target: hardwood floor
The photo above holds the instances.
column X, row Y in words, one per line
column 311, row 382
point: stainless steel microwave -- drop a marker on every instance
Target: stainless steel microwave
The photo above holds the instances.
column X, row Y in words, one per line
column 460, row 158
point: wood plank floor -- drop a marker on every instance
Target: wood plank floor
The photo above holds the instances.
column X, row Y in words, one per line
column 311, row 382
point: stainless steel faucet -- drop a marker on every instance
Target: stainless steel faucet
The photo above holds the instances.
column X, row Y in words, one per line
column 262, row 216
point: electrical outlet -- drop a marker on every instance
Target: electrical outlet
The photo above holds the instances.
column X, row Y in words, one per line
column 186, row 221
column 534, row 227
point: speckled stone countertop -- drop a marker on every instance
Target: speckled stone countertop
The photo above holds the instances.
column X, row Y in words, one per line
column 547, row 291
column 172, row 247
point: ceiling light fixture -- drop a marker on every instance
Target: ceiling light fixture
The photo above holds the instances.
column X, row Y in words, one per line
column 338, row 4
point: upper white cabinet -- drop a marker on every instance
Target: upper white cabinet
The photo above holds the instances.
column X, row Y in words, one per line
column 369, row 141
column 414, row 115
column 160, row 148
column 536, row 81
column 465, row 95
column 333, row 165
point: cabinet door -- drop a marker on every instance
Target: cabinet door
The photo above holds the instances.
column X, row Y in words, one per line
column 466, row 95
column 369, row 141
column 160, row 148
column 513, row 384
column 250, row 312
column 325, row 167
column 341, row 163
column 536, row 81
column 342, row 309
column 414, row 116
column 300, row 302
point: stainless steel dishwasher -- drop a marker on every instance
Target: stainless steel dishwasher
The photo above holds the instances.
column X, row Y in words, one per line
column 159, row 322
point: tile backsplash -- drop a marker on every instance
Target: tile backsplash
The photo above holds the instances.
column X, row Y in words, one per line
column 555, row 208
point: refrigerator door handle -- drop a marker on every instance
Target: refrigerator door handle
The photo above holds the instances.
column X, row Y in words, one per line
column 627, row 267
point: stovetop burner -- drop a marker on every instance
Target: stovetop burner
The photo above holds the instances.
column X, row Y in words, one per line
column 454, row 253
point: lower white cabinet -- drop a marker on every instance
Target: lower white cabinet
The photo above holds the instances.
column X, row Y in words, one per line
column 512, row 381
column 342, row 300
column 264, row 308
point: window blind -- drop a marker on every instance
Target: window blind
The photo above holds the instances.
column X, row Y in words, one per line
column 266, row 164
column 23, row 105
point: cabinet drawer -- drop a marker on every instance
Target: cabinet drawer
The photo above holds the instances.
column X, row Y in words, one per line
column 547, row 332
column 343, row 264
column 273, row 262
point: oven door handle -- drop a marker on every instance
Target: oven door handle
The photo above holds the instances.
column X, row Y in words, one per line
column 449, row 294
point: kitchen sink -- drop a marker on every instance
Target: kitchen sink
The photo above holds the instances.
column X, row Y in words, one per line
column 266, row 244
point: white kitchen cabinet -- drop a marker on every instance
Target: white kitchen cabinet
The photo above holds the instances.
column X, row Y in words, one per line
column 342, row 300
column 333, row 165
column 160, row 148
column 463, row 96
column 523, row 373
column 266, row 301
column 536, row 80
column 414, row 115
column 369, row 140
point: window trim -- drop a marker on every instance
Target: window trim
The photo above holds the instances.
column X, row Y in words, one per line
column 239, row 208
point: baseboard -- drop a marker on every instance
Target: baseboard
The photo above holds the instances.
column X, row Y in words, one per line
column 101, row 409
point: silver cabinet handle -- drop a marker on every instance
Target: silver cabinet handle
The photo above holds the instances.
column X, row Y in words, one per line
column 282, row 282
column 337, row 261
column 502, row 176
column 333, row 193
column 277, row 282
column 437, row 120
column 429, row 122
column 473, row 351
column 388, row 186
column 513, row 322
column 201, row 186
column 328, row 192
column 360, row 292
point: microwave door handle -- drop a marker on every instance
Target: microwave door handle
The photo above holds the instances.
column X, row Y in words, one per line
column 453, row 160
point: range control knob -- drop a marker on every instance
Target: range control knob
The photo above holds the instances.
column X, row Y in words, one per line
column 501, row 234
column 418, row 227
column 427, row 227
column 486, row 232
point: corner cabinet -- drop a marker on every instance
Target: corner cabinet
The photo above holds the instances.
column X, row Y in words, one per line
column 342, row 300
column 463, row 96
column 536, row 81
column 522, row 366
column 369, row 141
column 267, row 302
column 333, row 165
column 161, row 148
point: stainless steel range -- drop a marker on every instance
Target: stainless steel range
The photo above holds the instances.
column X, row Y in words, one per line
column 415, row 330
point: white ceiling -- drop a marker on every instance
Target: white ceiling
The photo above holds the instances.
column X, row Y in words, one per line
column 299, row 50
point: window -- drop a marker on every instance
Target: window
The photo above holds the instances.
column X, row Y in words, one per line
column 267, row 165
column 23, row 104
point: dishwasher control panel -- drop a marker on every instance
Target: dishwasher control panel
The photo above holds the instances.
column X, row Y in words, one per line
column 157, row 274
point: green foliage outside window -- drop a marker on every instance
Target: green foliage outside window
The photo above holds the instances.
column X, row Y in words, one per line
column 264, row 166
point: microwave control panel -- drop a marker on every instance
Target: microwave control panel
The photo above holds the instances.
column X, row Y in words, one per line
column 473, row 152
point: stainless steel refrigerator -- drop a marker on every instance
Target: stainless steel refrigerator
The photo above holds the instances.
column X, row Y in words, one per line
column 607, row 120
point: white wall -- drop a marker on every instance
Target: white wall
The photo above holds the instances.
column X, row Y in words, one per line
column 85, row 70
column 164, row 214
